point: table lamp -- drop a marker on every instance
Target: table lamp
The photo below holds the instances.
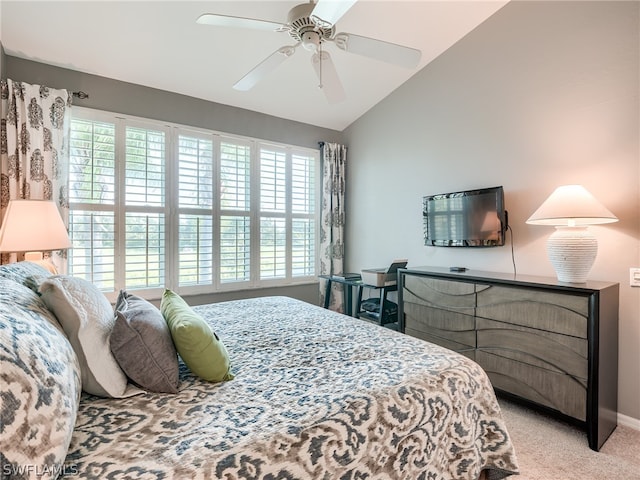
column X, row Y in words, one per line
column 571, row 248
column 33, row 226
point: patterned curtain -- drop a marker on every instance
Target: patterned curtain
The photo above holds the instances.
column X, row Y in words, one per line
column 34, row 150
column 334, row 158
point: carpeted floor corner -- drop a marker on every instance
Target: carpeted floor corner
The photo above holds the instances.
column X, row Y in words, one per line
column 548, row 449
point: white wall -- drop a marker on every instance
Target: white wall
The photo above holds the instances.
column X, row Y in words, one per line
column 540, row 95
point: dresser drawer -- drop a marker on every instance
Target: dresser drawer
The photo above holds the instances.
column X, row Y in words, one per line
column 453, row 330
column 423, row 317
column 551, row 389
column 552, row 351
column 444, row 294
column 549, row 311
column 452, row 342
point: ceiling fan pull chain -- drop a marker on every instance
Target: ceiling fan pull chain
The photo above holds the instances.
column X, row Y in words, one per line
column 320, row 65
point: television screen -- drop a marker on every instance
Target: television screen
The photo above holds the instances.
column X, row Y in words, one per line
column 471, row 218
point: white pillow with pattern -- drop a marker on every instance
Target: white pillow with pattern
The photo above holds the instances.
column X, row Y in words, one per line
column 39, row 385
column 87, row 318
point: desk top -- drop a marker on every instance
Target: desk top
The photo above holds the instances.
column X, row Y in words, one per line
column 355, row 282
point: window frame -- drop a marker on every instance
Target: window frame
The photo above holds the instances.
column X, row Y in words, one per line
column 172, row 210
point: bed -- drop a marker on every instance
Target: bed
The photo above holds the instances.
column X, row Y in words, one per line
column 316, row 395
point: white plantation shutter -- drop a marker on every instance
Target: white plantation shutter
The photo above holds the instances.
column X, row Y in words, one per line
column 144, row 250
column 273, row 248
column 287, row 213
column 235, row 211
column 235, row 167
column 145, row 167
column 303, row 248
column 155, row 206
column 235, row 249
column 303, row 185
column 195, row 180
column 303, row 206
column 93, row 254
column 195, row 207
column 195, row 246
column 92, row 196
column 92, row 163
column 273, row 200
column 144, row 205
column 273, row 181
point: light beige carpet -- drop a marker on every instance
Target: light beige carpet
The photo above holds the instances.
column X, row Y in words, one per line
column 548, row 449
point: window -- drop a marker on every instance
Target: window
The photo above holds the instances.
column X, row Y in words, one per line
column 235, row 211
column 143, row 203
column 195, row 211
column 156, row 206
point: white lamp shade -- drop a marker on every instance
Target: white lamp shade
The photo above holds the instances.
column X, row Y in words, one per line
column 571, row 205
column 33, row 225
column 572, row 249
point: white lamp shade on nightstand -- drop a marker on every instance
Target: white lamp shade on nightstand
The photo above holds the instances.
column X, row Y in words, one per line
column 33, row 226
column 572, row 248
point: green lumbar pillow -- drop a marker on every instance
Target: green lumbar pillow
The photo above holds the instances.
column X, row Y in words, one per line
column 200, row 348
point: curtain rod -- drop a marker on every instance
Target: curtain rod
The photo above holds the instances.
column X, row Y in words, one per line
column 81, row 95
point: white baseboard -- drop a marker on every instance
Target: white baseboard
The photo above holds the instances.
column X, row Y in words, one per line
column 630, row 422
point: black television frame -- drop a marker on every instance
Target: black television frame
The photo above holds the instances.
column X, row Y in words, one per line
column 497, row 192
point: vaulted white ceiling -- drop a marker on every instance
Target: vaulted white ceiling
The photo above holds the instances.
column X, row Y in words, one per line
column 159, row 44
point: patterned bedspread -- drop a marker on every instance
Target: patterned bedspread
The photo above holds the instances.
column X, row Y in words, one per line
column 316, row 395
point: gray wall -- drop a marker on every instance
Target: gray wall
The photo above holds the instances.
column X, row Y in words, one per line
column 541, row 94
column 121, row 97
column 128, row 98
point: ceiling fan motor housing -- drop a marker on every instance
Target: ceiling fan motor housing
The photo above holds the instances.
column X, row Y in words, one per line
column 300, row 24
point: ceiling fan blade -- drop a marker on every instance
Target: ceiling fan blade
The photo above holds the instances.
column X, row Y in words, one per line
column 264, row 68
column 370, row 47
column 329, row 81
column 327, row 12
column 239, row 22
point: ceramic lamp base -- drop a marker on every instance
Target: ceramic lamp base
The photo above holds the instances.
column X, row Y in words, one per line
column 33, row 256
column 572, row 251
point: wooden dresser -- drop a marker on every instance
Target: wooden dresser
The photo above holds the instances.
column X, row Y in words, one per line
column 549, row 344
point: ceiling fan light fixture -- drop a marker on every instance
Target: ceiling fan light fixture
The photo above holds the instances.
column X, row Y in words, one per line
column 310, row 41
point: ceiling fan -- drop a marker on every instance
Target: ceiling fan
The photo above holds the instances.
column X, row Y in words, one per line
column 312, row 25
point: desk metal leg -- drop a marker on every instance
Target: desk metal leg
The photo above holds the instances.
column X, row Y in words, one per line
column 383, row 298
column 359, row 302
column 327, row 294
column 348, row 300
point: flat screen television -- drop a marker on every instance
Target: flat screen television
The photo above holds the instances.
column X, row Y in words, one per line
column 470, row 218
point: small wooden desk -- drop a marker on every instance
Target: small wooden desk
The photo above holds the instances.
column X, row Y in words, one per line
column 348, row 286
column 348, row 305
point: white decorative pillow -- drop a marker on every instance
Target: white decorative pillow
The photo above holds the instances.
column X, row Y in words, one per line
column 87, row 318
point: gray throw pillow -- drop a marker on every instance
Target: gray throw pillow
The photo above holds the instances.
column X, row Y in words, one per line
column 142, row 345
